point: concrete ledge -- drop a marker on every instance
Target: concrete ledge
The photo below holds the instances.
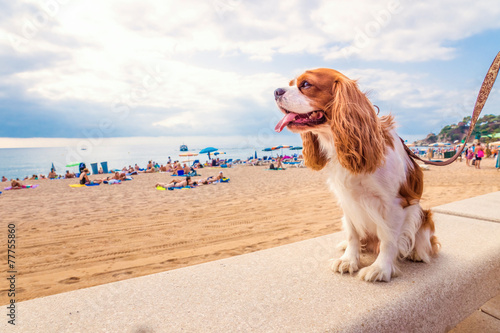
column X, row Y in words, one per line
column 288, row 289
column 478, row 322
column 485, row 320
column 483, row 207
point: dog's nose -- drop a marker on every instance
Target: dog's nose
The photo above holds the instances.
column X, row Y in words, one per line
column 279, row 92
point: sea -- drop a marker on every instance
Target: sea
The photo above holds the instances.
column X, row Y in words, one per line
column 22, row 162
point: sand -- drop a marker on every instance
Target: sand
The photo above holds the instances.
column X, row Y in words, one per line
column 72, row 238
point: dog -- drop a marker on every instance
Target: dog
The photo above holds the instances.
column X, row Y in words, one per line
column 377, row 184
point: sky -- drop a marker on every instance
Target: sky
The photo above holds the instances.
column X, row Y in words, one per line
column 159, row 68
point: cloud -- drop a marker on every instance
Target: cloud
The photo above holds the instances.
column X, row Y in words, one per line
column 146, row 65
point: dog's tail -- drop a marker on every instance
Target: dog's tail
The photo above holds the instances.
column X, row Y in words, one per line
column 426, row 243
column 428, row 222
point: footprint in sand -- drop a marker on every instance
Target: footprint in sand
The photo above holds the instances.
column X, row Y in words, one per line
column 70, row 280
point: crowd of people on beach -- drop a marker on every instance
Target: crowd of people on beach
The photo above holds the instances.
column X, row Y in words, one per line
column 473, row 154
column 188, row 181
column 117, row 176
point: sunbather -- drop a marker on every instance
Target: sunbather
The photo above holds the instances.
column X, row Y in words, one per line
column 84, row 178
column 52, row 174
column 69, row 175
column 279, row 166
column 16, row 184
column 178, row 183
column 119, row 176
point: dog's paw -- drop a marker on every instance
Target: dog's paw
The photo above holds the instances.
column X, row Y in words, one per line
column 344, row 265
column 414, row 256
column 376, row 272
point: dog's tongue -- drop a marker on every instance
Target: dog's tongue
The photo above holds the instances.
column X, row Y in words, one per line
column 283, row 122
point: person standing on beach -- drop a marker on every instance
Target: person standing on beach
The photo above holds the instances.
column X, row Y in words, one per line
column 469, row 154
column 479, row 156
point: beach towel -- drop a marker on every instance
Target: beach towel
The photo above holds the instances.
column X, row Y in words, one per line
column 159, row 188
column 17, row 188
column 80, row 185
column 112, row 181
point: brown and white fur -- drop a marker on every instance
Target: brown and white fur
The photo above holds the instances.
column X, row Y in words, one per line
column 376, row 183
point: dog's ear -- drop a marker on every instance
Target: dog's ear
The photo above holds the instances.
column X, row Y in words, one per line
column 359, row 137
column 314, row 157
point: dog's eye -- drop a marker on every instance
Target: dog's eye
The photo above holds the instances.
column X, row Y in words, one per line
column 305, row 84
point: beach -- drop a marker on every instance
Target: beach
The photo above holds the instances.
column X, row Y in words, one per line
column 71, row 238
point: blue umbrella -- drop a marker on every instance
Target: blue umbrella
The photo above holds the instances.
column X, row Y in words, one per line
column 53, row 168
column 256, row 154
column 296, row 148
column 208, row 150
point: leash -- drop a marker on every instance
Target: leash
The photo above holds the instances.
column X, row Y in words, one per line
column 484, row 92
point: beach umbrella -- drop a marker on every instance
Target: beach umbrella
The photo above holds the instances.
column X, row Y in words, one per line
column 296, row 148
column 282, row 147
column 270, row 149
column 208, row 150
column 188, row 155
column 217, row 153
column 72, row 164
column 53, row 168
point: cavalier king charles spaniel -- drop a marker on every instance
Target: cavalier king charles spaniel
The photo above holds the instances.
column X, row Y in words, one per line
column 375, row 181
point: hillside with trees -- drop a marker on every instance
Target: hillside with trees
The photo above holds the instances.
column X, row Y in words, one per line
column 487, row 129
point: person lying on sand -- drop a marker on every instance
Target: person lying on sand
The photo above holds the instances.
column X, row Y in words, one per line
column 220, row 176
column 119, row 176
column 4, row 179
column 208, row 180
column 16, row 184
column 178, row 183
